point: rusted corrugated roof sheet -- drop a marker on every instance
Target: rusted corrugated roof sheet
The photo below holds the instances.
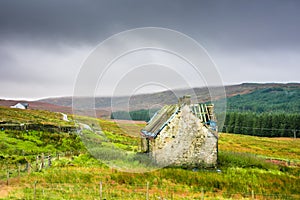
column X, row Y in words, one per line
column 159, row 120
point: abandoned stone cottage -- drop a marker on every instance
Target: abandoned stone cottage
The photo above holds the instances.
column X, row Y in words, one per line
column 183, row 134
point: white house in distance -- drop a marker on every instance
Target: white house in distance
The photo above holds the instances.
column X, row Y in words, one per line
column 21, row 106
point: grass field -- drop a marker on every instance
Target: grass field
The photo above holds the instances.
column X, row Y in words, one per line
column 245, row 169
column 278, row 148
column 241, row 173
column 18, row 116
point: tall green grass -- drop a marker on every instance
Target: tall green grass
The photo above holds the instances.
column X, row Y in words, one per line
column 81, row 177
column 242, row 167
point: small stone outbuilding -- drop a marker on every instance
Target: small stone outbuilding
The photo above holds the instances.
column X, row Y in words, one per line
column 182, row 135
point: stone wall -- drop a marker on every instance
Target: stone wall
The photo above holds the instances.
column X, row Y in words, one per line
column 185, row 141
column 38, row 127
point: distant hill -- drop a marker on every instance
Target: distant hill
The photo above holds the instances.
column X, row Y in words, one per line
column 254, row 97
column 243, row 97
column 19, row 116
column 273, row 99
column 40, row 105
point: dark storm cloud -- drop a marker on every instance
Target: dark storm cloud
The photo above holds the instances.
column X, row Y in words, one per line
column 236, row 23
column 52, row 20
column 44, row 42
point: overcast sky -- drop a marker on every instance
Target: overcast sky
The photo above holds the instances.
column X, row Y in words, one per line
column 44, row 43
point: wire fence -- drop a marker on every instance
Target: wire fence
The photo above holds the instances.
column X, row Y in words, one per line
column 42, row 161
column 104, row 190
column 107, row 191
column 289, row 133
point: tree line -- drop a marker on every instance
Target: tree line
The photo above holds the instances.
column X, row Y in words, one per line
column 137, row 115
column 247, row 123
column 276, row 99
column 263, row 124
column 271, row 112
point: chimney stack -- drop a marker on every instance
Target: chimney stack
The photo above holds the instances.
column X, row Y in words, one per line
column 185, row 100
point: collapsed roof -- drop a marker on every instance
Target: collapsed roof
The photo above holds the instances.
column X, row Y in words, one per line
column 166, row 114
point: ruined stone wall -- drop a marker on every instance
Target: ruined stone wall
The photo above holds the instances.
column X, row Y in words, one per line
column 144, row 145
column 38, row 127
column 185, row 141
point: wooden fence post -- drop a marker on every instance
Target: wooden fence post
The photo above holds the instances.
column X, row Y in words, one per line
column 49, row 160
column 202, row 194
column 7, row 176
column 19, row 169
column 42, row 161
column 34, row 190
column 252, row 194
column 37, row 163
column 100, row 190
column 28, row 167
column 147, row 194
